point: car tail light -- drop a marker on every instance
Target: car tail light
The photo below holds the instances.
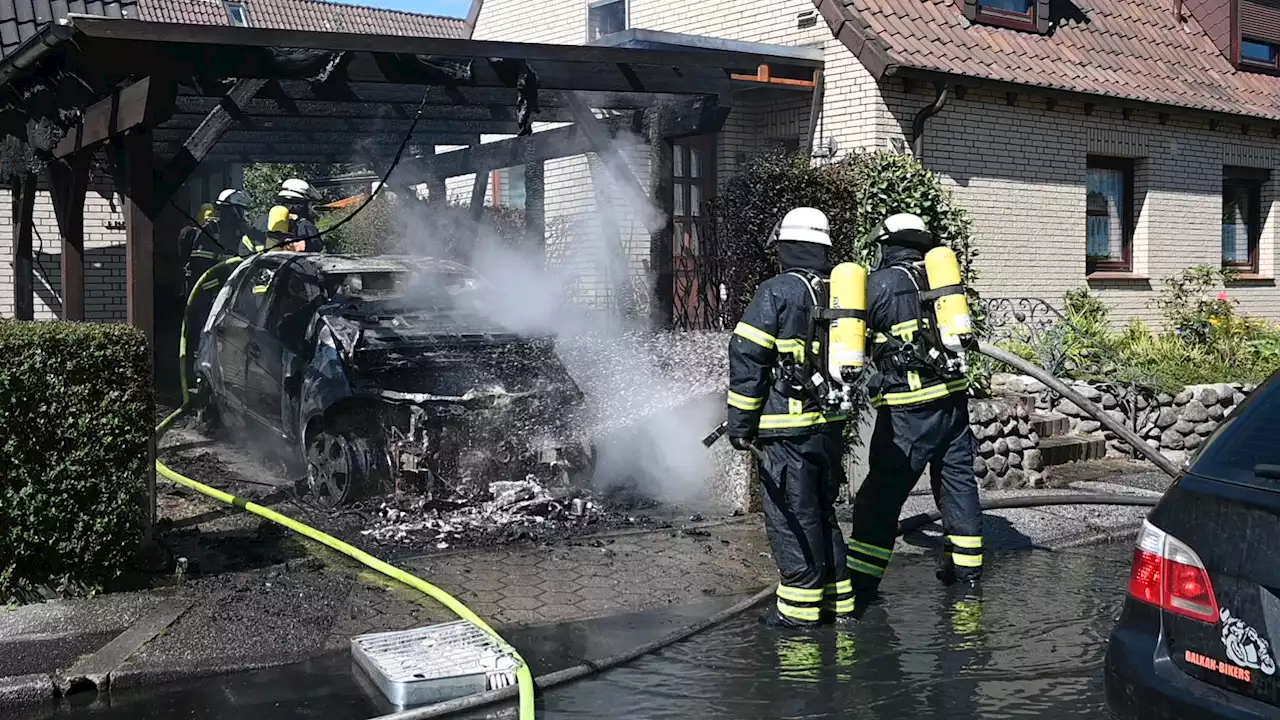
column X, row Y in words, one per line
column 1168, row 574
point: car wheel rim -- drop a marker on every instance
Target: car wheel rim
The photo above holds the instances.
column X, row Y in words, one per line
column 329, row 470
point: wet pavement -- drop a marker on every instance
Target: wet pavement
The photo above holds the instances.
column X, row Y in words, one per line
column 1031, row 646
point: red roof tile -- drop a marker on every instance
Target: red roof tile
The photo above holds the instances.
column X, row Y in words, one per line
column 309, row 15
column 1129, row 49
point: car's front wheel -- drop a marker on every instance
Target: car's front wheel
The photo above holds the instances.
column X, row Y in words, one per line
column 340, row 467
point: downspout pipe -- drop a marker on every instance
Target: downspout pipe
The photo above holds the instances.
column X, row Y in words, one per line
column 928, row 111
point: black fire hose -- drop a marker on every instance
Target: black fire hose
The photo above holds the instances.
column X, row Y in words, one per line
column 588, row 668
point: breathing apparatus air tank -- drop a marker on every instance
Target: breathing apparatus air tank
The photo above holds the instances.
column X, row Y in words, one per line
column 955, row 324
column 847, row 344
column 278, row 221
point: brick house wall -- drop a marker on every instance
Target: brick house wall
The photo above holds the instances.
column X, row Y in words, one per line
column 1020, row 172
column 104, row 269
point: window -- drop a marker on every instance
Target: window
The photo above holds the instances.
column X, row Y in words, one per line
column 605, row 17
column 1109, row 206
column 692, row 181
column 1016, row 14
column 237, row 15
column 253, row 288
column 1253, row 52
column 1241, row 217
column 508, row 187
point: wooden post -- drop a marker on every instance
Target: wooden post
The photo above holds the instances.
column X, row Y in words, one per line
column 68, row 183
column 24, row 204
column 139, row 232
column 661, row 248
column 478, row 186
column 535, row 208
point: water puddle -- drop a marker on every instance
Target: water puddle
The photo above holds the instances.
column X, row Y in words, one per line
column 1032, row 646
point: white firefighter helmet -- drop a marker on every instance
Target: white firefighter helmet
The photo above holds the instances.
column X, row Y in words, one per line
column 905, row 229
column 804, row 224
column 297, row 189
column 231, row 196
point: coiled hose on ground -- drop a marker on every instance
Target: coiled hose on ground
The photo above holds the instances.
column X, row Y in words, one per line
column 526, row 682
column 524, row 679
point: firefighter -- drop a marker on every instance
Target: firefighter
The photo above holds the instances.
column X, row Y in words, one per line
column 206, row 247
column 919, row 328
column 299, row 198
column 797, row 441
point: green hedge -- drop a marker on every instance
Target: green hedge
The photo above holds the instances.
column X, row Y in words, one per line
column 76, row 417
column 856, row 192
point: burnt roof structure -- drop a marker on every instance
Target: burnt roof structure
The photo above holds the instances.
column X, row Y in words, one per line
column 161, row 98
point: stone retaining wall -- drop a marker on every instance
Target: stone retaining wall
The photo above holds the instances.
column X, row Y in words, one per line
column 1008, row 453
column 1173, row 424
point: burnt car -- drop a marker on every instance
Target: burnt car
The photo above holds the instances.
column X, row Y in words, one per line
column 1198, row 634
column 380, row 373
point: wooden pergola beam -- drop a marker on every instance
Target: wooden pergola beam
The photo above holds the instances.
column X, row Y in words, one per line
column 688, row 118
column 23, row 187
column 147, row 102
column 68, row 184
column 139, row 249
column 201, row 141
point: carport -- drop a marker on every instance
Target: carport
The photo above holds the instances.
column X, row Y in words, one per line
column 159, row 99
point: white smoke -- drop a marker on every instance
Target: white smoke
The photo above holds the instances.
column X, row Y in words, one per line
column 644, row 421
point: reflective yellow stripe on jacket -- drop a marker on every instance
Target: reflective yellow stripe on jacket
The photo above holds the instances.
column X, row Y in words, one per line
column 923, row 395
column 752, row 333
column 745, row 402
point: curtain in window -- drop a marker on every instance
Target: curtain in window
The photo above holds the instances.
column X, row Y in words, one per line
column 1106, row 210
column 1236, row 211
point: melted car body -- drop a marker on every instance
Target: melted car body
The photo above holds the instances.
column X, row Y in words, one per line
column 386, row 370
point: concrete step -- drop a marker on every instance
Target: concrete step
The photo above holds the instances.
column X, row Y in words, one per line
column 1050, row 424
column 1063, row 449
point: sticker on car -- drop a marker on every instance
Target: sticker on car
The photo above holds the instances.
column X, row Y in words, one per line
column 1245, row 647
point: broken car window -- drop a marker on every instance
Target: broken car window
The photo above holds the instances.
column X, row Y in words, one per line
column 253, row 291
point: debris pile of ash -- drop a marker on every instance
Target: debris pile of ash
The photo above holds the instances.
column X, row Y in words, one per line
column 510, row 511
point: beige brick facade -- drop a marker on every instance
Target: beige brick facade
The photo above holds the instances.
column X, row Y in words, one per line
column 1020, row 172
column 1018, row 168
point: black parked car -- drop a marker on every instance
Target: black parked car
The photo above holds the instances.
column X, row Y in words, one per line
column 380, row 372
column 1197, row 635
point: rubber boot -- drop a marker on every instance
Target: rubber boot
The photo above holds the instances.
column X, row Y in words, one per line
column 774, row 619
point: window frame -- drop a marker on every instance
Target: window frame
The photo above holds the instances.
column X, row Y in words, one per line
column 1007, row 18
column 229, row 5
column 1125, row 166
column 598, row 4
column 1258, row 64
column 1252, row 179
column 708, row 144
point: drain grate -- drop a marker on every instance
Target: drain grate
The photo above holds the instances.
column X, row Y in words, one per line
column 435, row 663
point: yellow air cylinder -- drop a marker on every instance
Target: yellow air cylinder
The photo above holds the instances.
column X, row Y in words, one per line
column 278, row 228
column 954, row 321
column 848, row 337
column 206, row 213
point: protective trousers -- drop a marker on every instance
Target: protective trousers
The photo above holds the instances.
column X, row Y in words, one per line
column 198, row 312
column 802, row 477
column 905, row 441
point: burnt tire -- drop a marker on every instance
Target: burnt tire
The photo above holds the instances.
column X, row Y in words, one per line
column 341, row 468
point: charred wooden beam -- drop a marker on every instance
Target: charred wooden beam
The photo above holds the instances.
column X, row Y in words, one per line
column 661, row 238
column 478, row 186
column 338, row 94
column 201, row 141
column 139, row 231
column 193, row 108
column 602, row 143
column 687, row 118
column 535, row 215
column 68, row 183
column 148, row 102
column 349, row 138
column 23, row 188
column 180, row 126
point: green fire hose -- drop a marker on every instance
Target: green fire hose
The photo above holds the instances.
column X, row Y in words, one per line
column 523, row 677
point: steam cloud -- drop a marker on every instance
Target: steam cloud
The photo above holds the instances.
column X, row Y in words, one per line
column 643, row 419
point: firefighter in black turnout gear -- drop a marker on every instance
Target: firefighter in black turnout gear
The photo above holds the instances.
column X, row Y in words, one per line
column 299, row 197
column 919, row 327
column 795, row 437
column 209, row 245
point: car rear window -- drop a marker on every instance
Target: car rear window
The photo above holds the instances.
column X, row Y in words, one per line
column 1246, row 448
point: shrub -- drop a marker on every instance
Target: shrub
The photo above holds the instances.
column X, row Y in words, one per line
column 76, row 417
column 856, row 192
